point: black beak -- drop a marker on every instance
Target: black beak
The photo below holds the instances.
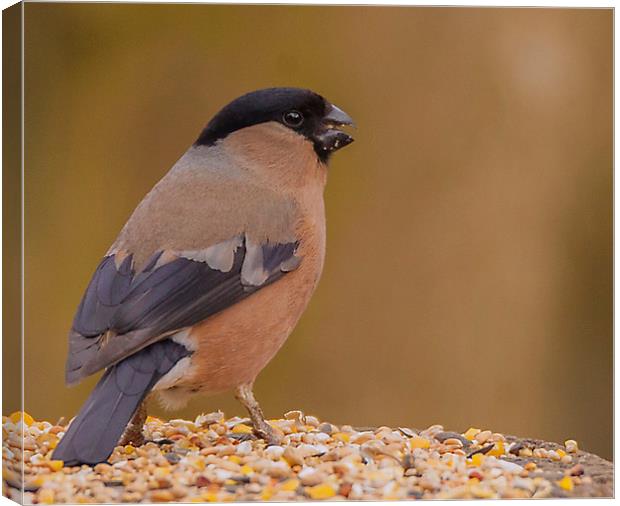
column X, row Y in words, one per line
column 338, row 117
column 329, row 138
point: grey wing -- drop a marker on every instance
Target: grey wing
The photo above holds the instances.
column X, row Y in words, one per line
column 123, row 311
column 96, row 429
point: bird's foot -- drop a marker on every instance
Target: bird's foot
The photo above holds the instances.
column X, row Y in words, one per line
column 132, row 436
column 266, row 432
column 133, row 433
column 262, row 428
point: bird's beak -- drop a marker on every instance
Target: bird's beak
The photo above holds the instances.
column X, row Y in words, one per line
column 330, row 138
column 338, row 117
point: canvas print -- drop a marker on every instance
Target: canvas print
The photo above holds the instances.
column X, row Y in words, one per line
column 300, row 253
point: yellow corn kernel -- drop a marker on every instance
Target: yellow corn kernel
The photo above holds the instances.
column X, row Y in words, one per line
column 50, row 439
column 290, row 485
column 342, row 436
column 471, row 433
column 566, row 483
column 21, row 415
column 46, row 496
column 246, row 470
column 266, row 494
column 198, row 464
column 39, row 480
column 561, row 453
column 419, row 442
column 497, row 450
column 242, row 428
column 323, row 491
column 56, row 465
column 209, row 497
column 530, row 466
column 234, row 458
column 477, row 459
column 161, row 472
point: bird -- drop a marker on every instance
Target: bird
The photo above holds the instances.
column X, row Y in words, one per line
column 211, row 272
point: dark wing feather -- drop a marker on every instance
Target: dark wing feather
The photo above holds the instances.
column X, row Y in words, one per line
column 96, row 429
column 123, row 311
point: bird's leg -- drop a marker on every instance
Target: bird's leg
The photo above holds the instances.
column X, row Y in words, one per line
column 245, row 396
column 133, row 433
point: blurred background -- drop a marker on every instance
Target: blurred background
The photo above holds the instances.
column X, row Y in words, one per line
column 468, row 278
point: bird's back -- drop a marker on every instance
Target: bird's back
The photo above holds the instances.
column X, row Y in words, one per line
column 203, row 201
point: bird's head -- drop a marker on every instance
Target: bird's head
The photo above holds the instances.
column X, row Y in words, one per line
column 302, row 111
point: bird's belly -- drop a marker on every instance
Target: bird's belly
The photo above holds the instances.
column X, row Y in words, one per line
column 233, row 346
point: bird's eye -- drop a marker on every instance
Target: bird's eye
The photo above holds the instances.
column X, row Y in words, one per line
column 293, row 118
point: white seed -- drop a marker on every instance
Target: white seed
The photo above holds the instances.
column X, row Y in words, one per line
column 244, row 448
column 208, row 419
column 274, row 452
column 362, row 437
column 509, row 466
column 571, row 446
column 310, row 477
column 483, row 437
column 293, row 456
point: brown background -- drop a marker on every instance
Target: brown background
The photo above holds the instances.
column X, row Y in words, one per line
column 468, row 275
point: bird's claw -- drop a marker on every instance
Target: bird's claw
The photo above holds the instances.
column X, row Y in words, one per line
column 267, row 434
column 132, row 437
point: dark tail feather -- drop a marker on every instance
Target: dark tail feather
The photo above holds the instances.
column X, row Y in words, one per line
column 96, row 429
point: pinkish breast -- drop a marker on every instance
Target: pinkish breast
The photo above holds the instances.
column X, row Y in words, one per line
column 233, row 346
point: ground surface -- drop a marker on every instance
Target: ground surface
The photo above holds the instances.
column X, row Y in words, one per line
column 217, row 459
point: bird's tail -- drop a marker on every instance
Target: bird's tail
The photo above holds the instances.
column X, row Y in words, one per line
column 96, row 429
